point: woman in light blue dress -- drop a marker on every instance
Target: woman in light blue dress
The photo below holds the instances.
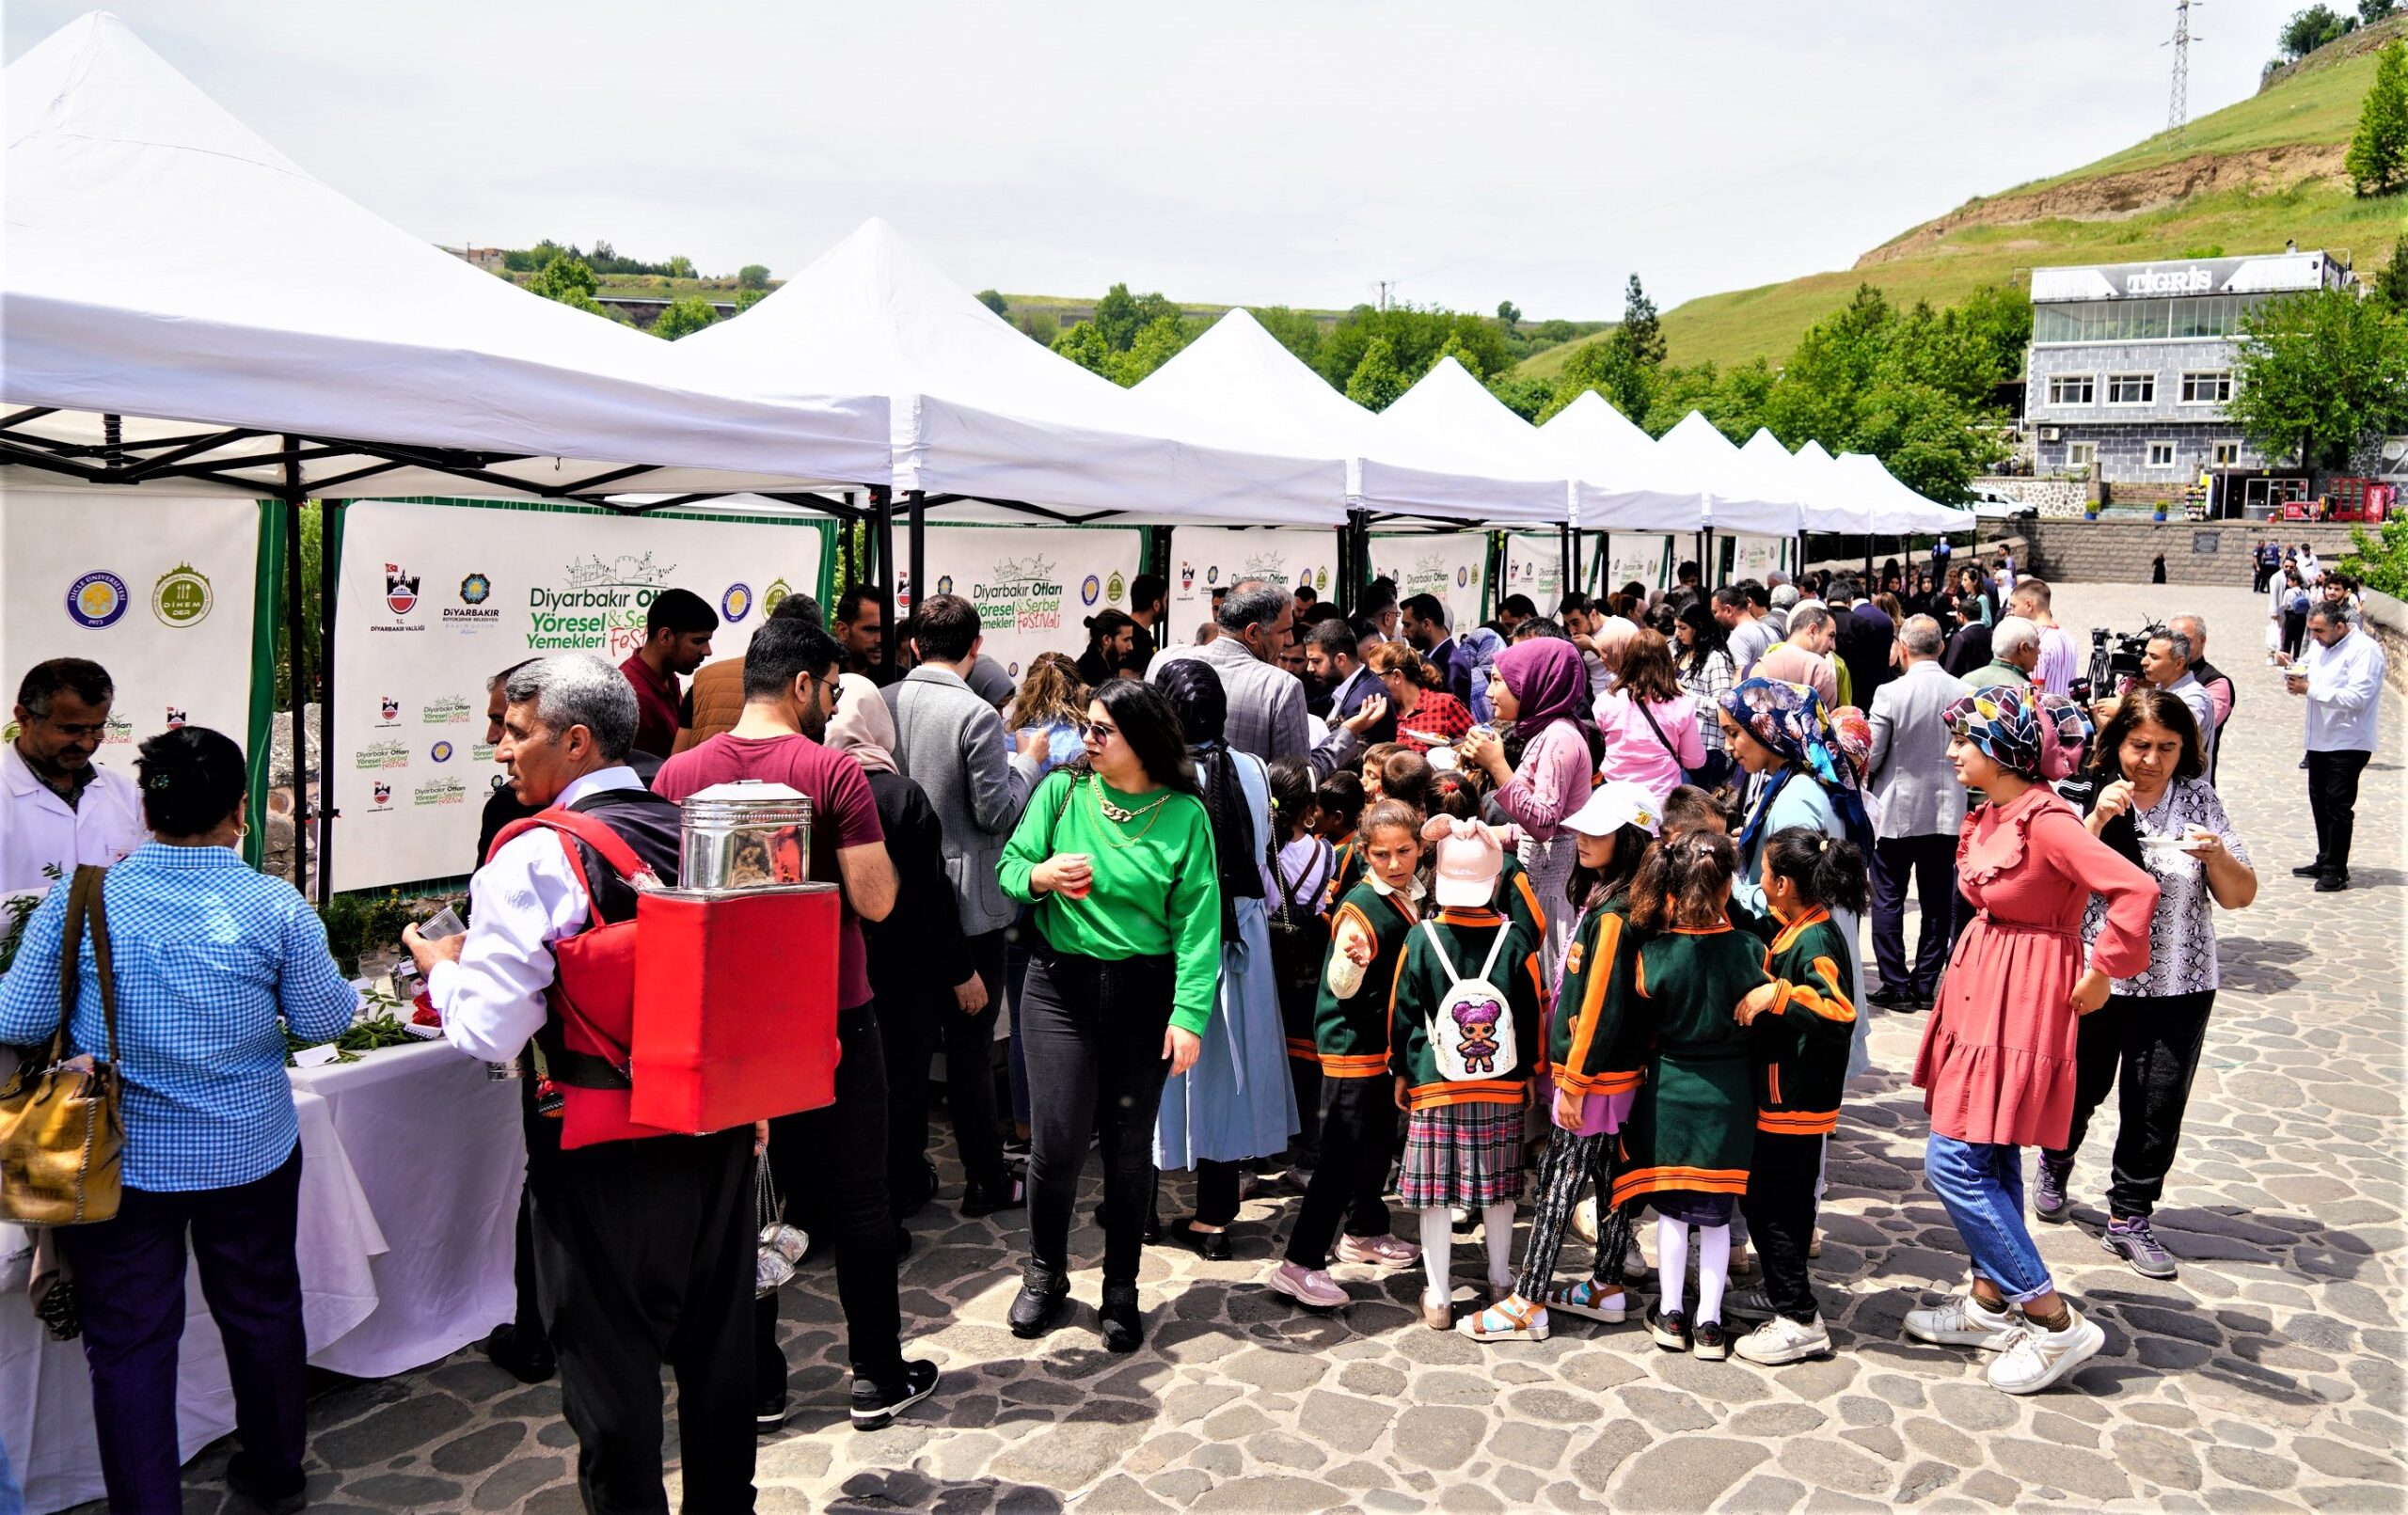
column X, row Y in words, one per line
column 1238, row 1102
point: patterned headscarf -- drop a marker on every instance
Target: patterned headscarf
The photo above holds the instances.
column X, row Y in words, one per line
column 2037, row 736
column 1853, row 735
column 1788, row 719
column 1547, row 682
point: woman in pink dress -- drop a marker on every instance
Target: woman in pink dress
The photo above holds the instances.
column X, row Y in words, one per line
column 1649, row 721
column 1998, row 1061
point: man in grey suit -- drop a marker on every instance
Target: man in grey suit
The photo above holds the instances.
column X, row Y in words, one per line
column 1922, row 807
column 1266, row 702
column 949, row 740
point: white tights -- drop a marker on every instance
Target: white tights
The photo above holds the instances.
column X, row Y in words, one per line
column 1713, row 1265
column 1439, row 1249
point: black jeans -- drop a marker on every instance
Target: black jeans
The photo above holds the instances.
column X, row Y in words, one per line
column 2294, row 631
column 644, row 1249
column 130, row 1276
column 969, row 1043
column 829, row 1167
column 1093, row 1032
column 543, row 1150
column 2332, row 801
column 1571, row 1161
column 907, row 1018
column 1297, row 1005
column 1355, row 1141
column 2147, row 1048
column 1929, row 862
column 1779, row 1208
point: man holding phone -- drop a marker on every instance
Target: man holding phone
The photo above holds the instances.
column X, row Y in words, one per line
column 2342, row 678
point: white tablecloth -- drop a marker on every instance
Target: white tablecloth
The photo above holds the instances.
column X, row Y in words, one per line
column 411, row 1160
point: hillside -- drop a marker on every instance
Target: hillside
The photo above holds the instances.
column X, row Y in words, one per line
column 2246, row 178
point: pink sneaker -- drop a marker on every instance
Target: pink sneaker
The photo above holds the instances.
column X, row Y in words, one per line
column 1308, row 1287
column 1386, row 1251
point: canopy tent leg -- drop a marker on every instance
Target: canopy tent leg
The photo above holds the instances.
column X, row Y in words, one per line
column 882, row 549
column 297, row 662
column 1866, row 587
column 1709, row 567
column 1354, row 561
column 329, row 574
column 916, row 569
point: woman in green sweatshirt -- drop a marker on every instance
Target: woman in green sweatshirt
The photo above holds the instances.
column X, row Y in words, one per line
column 1114, row 853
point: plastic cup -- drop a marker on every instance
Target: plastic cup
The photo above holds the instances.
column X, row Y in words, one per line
column 1080, row 859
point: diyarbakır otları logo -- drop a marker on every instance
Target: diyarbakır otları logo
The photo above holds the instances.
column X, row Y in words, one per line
column 97, row 600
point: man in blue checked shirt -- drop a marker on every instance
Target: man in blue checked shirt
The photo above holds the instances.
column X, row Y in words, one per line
column 212, row 962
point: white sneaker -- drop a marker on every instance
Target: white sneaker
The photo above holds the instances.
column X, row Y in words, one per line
column 2038, row 1358
column 1384, row 1252
column 1963, row 1322
column 1312, row 1288
column 1782, row 1340
column 1584, row 1220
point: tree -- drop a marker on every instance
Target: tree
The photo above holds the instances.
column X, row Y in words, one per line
column 1084, row 344
column 2320, row 372
column 1377, row 381
column 1643, row 331
column 1120, row 316
column 752, row 277
column 1161, row 340
column 1509, row 314
column 2310, row 29
column 1414, row 337
column 1608, row 367
column 678, row 266
column 689, row 314
column 2378, row 157
column 1524, row 397
column 994, row 302
column 747, row 299
column 2391, row 284
column 1454, row 348
column 1298, row 333
column 570, row 282
column 2371, row 11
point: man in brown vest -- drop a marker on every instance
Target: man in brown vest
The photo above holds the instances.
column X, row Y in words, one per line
column 715, row 695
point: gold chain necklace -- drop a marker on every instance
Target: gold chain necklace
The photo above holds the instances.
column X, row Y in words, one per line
column 1119, row 815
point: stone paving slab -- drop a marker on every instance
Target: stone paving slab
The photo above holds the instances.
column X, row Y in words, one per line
column 2268, row 1377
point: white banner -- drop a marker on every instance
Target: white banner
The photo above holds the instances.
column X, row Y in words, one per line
column 157, row 586
column 1534, row 566
column 1034, row 586
column 1754, row 556
column 1646, row 556
column 1453, row 565
column 436, row 599
column 1206, row 557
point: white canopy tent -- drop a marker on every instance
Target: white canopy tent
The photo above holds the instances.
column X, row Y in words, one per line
column 986, row 424
column 1621, row 482
column 1448, row 424
column 1740, row 493
column 136, row 286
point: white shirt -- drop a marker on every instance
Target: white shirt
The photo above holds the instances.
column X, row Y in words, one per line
column 2203, row 713
column 2344, row 691
column 520, row 902
column 43, row 831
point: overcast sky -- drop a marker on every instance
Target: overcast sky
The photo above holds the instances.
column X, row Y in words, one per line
column 1263, row 154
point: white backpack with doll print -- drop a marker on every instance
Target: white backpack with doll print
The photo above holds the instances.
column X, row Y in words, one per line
column 1471, row 1029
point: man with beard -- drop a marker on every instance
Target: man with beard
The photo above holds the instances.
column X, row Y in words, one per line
column 62, row 808
column 676, row 638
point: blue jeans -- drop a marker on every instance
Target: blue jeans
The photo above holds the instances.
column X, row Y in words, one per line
column 1981, row 1186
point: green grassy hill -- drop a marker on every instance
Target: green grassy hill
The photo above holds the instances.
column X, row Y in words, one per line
column 2245, row 178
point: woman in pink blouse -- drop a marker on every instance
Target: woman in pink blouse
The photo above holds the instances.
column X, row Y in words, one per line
column 1649, row 721
column 1539, row 686
column 1997, row 1067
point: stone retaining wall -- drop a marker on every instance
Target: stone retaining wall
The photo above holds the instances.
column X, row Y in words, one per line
column 2055, row 498
column 2196, row 552
column 2386, row 621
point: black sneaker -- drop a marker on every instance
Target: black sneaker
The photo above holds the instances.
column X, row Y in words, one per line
column 1124, row 1326
column 1669, row 1328
column 1710, row 1342
column 2309, row 870
column 280, row 1495
column 2050, row 1202
column 986, row 1199
column 1212, row 1246
column 524, row 1355
column 770, row 1413
column 1890, row 999
column 1040, row 1306
column 875, row 1408
column 2331, row 883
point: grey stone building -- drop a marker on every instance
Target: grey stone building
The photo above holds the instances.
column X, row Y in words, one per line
column 2132, row 364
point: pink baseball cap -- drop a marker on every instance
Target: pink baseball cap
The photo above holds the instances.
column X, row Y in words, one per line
column 1469, row 858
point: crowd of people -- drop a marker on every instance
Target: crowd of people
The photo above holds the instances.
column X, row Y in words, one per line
column 1371, row 904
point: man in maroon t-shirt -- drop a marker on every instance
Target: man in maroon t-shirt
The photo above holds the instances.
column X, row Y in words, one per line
column 677, row 628
column 837, row 1154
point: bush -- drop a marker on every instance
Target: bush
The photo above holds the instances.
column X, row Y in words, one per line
column 2380, row 561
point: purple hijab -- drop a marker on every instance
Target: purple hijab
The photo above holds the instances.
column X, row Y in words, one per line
column 1548, row 680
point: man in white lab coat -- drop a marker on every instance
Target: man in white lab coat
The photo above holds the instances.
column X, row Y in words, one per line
column 62, row 808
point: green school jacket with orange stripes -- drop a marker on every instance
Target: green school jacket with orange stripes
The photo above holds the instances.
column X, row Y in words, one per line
column 1352, row 868
column 1801, row 1050
column 1520, row 901
column 1352, row 1035
column 1422, row 982
column 1591, row 1047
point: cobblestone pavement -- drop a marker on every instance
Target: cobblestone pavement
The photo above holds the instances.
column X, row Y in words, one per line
column 2267, row 1378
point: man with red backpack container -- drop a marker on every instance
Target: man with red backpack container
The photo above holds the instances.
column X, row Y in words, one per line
column 645, row 1242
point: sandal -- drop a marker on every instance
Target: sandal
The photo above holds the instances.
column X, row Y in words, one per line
column 1508, row 1320
column 1586, row 1299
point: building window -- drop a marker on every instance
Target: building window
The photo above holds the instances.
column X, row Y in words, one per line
column 2080, row 454
column 2161, row 454
column 2127, row 321
column 2213, row 388
column 2224, row 454
column 2071, row 390
column 2131, row 388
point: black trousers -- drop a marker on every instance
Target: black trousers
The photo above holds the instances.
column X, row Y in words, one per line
column 1357, row 1139
column 1779, row 1208
column 543, row 1150
column 1930, row 863
column 1093, row 1036
column 2333, row 800
column 1296, row 1003
column 830, row 1167
column 1571, row 1161
column 2294, row 631
column 130, row 1277
column 2147, row 1049
column 908, row 1018
column 644, row 1250
column 969, row 1045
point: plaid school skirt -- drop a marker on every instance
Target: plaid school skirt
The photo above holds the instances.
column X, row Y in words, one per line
column 1466, row 1155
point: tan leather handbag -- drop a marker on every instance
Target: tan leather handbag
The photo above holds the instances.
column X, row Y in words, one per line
column 62, row 1132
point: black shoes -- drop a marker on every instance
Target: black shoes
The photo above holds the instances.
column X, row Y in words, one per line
column 524, row 1355
column 1669, row 1328
column 280, row 1495
column 1124, row 1328
column 1212, row 1246
column 769, row 1413
column 2331, row 883
column 1044, row 1300
column 2309, row 870
column 986, row 1199
column 1709, row 1342
column 875, row 1407
column 1890, row 999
